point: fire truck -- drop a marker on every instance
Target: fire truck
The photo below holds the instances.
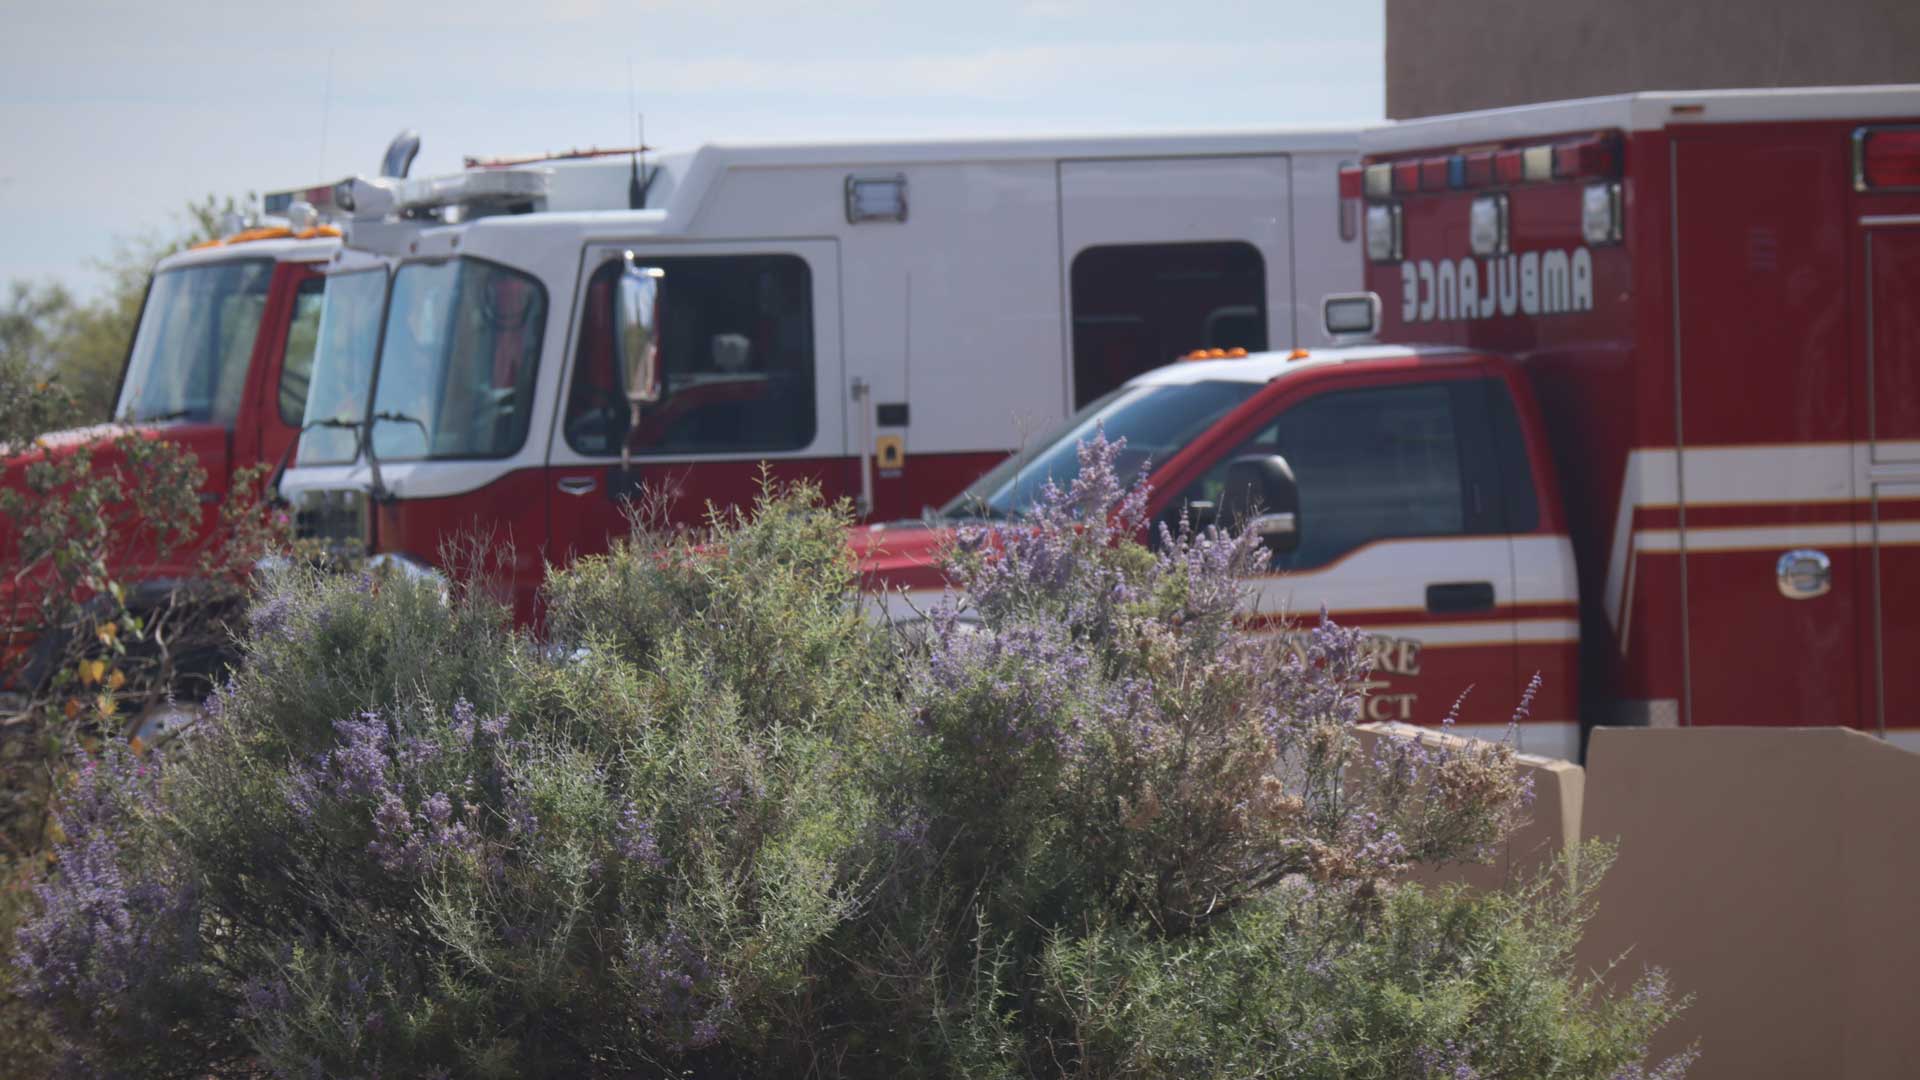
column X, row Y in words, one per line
column 1647, row 422
column 525, row 346
column 218, row 364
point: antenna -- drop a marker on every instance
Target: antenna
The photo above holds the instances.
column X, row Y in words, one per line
column 326, row 108
column 636, row 191
column 631, row 110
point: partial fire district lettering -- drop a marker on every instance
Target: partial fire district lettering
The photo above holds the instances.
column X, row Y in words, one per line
column 1390, row 656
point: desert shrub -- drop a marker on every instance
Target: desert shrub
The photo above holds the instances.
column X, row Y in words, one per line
column 715, row 822
column 1432, row 985
column 92, row 645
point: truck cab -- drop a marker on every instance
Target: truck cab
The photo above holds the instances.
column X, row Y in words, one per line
column 219, row 364
column 1409, row 494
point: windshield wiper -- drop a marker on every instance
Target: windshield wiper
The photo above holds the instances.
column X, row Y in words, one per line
column 373, row 460
column 161, row 418
column 404, row 418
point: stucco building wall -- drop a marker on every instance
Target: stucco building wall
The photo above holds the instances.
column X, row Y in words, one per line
column 1455, row 55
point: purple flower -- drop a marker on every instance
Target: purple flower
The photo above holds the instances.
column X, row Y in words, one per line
column 105, row 925
column 360, row 761
column 272, row 616
column 680, row 995
column 634, row 839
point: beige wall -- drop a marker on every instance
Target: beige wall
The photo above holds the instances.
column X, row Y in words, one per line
column 1775, row 874
column 1553, row 824
column 1453, row 56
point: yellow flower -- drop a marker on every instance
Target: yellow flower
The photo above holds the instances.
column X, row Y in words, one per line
column 116, row 680
column 109, row 631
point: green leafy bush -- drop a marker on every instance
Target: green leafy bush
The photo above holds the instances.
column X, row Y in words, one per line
column 717, row 822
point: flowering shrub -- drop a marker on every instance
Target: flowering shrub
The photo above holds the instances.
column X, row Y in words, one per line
column 92, row 647
column 717, row 823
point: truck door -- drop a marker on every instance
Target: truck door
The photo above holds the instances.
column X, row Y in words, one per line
column 1416, row 528
column 1764, row 435
column 1169, row 255
column 1893, row 472
column 287, row 348
column 751, row 360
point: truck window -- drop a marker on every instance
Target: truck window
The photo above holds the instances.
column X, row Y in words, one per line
column 341, row 377
column 457, row 361
column 1374, row 464
column 736, row 353
column 303, row 333
column 191, row 350
column 1137, row 306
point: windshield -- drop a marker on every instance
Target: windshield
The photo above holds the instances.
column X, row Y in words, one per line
column 342, row 373
column 1156, row 420
column 194, row 342
column 457, row 361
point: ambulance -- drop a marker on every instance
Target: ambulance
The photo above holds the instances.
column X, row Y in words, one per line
column 1638, row 412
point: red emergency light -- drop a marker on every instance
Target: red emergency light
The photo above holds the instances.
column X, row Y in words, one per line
column 1433, row 174
column 1886, row 158
column 1478, row 167
column 1351, row 179
column 1509, row 166
column 1594, row 158
column 1406, row 176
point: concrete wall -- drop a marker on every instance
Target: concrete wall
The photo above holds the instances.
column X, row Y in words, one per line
column 1553, row 825
column 1477, row 54
column 1775, row 874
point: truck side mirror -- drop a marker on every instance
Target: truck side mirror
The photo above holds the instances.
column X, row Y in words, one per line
column 1261, row 496
column 636, row 331
column 636, row 339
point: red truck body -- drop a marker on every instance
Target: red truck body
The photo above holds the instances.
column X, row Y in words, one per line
column 1742, row 382
column 1706, row 308
column 217, row 365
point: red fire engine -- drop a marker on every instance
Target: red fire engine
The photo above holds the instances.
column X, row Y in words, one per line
column 1660, row 440
column 218, row 364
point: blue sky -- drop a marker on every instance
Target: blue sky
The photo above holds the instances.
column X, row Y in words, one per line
column 114, row 115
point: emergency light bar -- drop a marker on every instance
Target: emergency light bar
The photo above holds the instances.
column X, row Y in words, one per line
column 1588, row 157
column 321, row 198
column 379, row 197
column 363, row 199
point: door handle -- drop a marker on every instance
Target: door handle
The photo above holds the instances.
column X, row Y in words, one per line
column 1804, row 574
column 1458, row 596
column 578, row 485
